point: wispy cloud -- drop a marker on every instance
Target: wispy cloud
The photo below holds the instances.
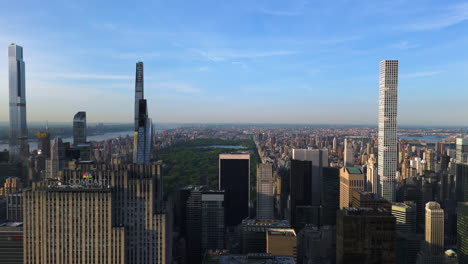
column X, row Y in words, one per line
column 422, row 74
column 177, row 87
column 279, row 12
column 404, row 45
column 450, row 16
column 76, row 76
column 233, row 54
column 241, row 64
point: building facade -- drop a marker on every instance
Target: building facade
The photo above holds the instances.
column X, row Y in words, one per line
column 351, row 179
column 234, row 179
column 142, row 136
column 387, row 135
column 19, row 147
column 265, row 191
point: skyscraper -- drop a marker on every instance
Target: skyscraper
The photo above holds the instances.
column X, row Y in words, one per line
column 234, row 179
column 388, row 152
column 462, row 150
column 79, row 128
column 365, row 236
column 319, row 158
column 351, row 179
column 433, row 249
column 19, row 148
column 143, row 125
column 405, row 214
column 348, row 153
column 330, row 195
column 56, row 162
column 43, row 143
column 71, row 224
column 462, row 231
column 265, row 191
column 301, row 196
column 372, row 176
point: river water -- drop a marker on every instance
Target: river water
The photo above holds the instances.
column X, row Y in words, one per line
column 106, row 136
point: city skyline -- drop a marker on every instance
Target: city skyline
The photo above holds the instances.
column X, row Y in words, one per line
column 254, row 63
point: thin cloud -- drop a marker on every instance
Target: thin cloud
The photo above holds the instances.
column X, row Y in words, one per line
column 232, row 54
column 422, row 74
column 452, row 16
column 178, row 87
column 279, row 12
column 76, row 76
column 404, row 45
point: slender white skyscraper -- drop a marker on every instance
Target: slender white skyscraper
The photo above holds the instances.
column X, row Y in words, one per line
column 388, row 101
column 19, row 148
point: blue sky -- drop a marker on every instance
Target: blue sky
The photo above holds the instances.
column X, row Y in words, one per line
column 239, row 61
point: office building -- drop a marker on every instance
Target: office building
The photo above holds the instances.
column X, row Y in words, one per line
column 14, row 207
column 365, row 236
column 319, row 159
column 461, row 182
column 19, row 147
column 253, row 233
column 316, row 245
column 405, row 214
column 57, row 161
column 204, row 222
column 300, row 194
column 348, row 160
column 79, row 128
column 462, row 231
column 224, row 257
column 433, row 249
column 330, row 195
column 351, row 179
column 462, row 150
column 137, row 204
column 11, row 243
column 43, row 144
column 265, row 191
column 388, row 152
column 60, row 215
column 362, row 199
column 234, row 179
column 142, row 141
column 11, row 185
column 281, row 242
column 372, row 176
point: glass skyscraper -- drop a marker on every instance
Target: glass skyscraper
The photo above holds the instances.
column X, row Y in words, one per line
column 388, row 100
column 143, row 125
column 19, row 148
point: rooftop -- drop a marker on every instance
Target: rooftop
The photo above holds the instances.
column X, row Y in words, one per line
column 281, row 232
column 352, row 170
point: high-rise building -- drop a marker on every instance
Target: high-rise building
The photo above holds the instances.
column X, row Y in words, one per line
column 434, row 228
column 319, row 159
column 372, row 176
column 365, row 236
column 330, row 195
column 316, row 245
column 14, row 204
column 43, row 144
column 204, row 222
column 461, row 182
column 234, row 179
column 265, row 191
column 79, row 128
column 281, row 242
column 462, row 150
column 300, row 186
column 56, row 162
column 334, row 144
column 61, row 215
column 348, row 153
column 11, row 243
column 362, row 199
column 405, row 214
column 462, row 231
column 253, row 233
column 137, row 205
column 142, row 141
column 19, row 148
column 11, row 185
column 351, row 179
column 388, row 152
column 433, row 248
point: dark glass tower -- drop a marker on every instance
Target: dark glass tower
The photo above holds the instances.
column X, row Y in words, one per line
column 19, row 148
column 330, row 195
column 234, row 179
column 79, row 128
column 143, row 125
column 301, row 196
